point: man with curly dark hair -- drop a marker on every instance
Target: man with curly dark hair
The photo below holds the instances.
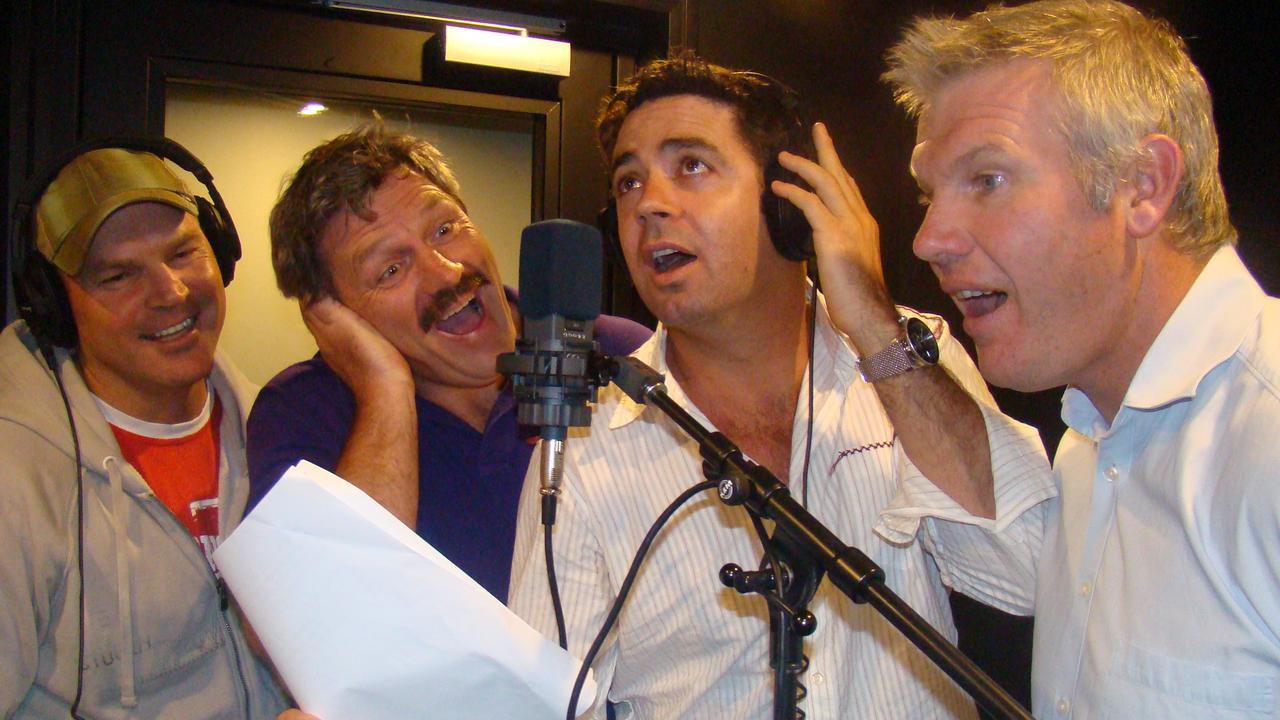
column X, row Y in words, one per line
column 870, row 412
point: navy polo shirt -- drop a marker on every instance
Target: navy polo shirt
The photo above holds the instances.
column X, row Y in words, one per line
column 469, row 481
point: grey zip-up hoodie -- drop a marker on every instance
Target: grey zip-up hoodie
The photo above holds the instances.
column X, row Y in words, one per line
column 159, row 639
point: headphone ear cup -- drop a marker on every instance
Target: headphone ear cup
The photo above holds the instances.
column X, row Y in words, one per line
column 788, row 227
column 43, row 304
column 607, row 222
column 222, row 238
column 42, row 298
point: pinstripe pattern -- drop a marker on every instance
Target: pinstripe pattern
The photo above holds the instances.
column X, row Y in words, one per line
column 685, row 646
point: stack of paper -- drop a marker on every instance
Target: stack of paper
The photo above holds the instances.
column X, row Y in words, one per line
column 364, row 620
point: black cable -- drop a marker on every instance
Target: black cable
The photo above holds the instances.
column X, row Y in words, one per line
column 46, row 350
column 549, row 521
column 625, row 589
column 17, row 260
column 808, row 437
column 770, row 559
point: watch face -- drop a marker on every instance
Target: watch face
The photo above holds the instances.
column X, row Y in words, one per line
column 922, row 341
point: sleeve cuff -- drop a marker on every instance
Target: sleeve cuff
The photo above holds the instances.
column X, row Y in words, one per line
column 1022, row 481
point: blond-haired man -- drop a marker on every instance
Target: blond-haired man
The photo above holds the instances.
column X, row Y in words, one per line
column 1076, row 217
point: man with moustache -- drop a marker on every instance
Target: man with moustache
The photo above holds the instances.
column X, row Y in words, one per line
column 1076, row 215
column 909, row 461
column 122, row 447
column 403, row 296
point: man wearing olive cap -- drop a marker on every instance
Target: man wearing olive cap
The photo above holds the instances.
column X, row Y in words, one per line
column 122, row 453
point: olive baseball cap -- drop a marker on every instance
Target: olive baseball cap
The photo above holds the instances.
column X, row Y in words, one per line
column 91, row 187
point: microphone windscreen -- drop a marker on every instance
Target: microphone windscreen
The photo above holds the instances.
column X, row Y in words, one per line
column 561, row 270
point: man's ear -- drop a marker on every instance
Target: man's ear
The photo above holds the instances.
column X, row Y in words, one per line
column 1154, row 181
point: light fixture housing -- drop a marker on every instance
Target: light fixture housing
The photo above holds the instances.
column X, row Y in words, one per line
column 506, row 50
column 477, row 36
column 455, row 14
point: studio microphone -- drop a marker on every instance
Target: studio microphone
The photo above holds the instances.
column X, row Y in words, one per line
column 552, row 370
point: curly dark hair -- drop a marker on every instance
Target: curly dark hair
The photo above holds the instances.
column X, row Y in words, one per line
column 767, row 112
column 341, row 175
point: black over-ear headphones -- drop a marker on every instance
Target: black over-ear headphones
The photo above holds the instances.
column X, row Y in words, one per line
column 788, row 227
column 42, row 299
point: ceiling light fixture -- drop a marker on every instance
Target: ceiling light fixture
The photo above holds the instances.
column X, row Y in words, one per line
column 506, row 50
column 476, row 36
column 454, row 14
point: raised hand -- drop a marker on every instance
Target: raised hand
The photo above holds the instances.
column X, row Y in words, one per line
column 846, row 240
column 366, row 361
column 380, row 455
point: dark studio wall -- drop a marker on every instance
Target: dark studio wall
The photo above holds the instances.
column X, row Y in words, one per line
column 831, row 51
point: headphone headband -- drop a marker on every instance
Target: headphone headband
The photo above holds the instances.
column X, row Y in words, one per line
column 38, row 288
column 161, row 147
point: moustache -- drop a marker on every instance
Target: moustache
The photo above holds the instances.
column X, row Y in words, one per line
column 445, row 300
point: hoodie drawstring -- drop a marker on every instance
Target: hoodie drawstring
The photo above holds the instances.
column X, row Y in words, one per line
column 120, row 511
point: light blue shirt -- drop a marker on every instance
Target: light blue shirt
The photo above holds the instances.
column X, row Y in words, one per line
column 1159, row 587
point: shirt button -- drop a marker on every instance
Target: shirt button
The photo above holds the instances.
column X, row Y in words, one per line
column 1084, row 590
column 818, row 678
column 1063, row 706
column 1112, row 472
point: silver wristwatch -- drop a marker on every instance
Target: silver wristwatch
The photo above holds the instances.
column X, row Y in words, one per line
column 915, row 347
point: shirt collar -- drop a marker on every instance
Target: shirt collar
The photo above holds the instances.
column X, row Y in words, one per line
column 1204, row 330
column 654, row 354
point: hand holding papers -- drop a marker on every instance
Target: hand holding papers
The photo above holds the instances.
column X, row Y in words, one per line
column 364, row 620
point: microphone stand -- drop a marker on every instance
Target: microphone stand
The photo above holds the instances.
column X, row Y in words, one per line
column 788, row 586
column 809, row 549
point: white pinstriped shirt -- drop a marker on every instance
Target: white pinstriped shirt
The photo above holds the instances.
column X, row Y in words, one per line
column 687, row 647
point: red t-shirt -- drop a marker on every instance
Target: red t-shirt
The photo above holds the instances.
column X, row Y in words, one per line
column 183, row 473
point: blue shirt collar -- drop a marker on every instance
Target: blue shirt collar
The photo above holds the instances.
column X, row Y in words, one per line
column 1204, row 331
